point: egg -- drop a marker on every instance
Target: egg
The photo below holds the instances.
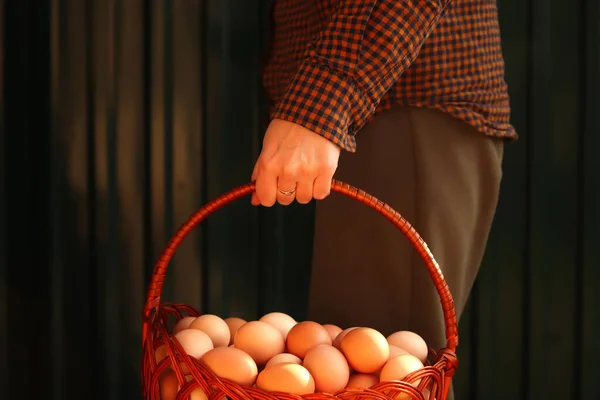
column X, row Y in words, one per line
column 427, row 394
column 182, row 324
column 333, row 330
column 231, row 363
column 396, row 351
column 197, row 393
column 281, row 321
column 214, row 327
column 284, row 358
column 169, row 387
column 260, row 340
column 286, row 377
column 337, row 342
column 328, row 368
column 365, row 349
column 362, row 381
column 195, row 343
column 399, row 367
column 160, row 353
column 306, row 335
column 411, row 342
column 234, row 324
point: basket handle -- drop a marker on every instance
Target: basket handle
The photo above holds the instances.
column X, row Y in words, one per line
column 160, row 269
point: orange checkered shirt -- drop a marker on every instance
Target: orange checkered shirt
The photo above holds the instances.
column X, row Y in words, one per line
column 334, row 64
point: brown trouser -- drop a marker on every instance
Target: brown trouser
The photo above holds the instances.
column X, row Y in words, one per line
column 440, row 174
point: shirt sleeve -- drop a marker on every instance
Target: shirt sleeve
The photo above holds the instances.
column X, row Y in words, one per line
column 353, row 62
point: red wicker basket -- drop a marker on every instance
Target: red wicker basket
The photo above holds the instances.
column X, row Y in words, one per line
column 436, row 375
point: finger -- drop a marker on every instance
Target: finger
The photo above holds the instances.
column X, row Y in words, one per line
column 254, row 173
column 286, row 184
column 322, row 187
column 255, row 200
column 266, row 187
column 304, row 191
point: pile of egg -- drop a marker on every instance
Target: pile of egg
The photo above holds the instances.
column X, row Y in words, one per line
column 278, row 354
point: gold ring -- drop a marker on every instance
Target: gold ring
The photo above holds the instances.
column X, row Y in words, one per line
column 287, row 192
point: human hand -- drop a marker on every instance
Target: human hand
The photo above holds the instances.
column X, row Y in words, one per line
column 295, row 162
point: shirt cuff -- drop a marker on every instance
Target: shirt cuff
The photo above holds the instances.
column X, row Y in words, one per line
column 326, row 102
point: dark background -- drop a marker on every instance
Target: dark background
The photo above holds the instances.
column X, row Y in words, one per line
column 120, row 118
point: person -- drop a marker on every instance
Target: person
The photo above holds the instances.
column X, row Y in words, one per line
column 407, row 101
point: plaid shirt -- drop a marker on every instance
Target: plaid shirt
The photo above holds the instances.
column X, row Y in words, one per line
column 334, row 64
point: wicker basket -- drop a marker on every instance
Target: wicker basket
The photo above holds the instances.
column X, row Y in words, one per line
column 436, row 375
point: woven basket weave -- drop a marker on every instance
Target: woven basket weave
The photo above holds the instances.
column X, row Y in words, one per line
column 436, row 375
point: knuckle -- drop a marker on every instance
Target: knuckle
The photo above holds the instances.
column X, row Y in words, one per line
column 307, row 170
column 329, row 168
column 268, row 165
column 290, row 170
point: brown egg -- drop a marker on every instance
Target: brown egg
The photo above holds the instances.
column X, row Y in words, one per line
column 197, row 393
column 398, row 367
column 195, row 343
column 169, row 387
column 365, row 349
column 260, row 340
column 214, row 327
column 411, row 342
column 288, row 378
column 234, row 324
column 328, row 368
column 281, row 321
column 333, row 331
column 427, row 394
column 394, row 351
column 337, row 342
column 306, row 335
column 183, row 323
column 160, row 353
column 284, row 358
column 362, row 381
column 231, row 363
